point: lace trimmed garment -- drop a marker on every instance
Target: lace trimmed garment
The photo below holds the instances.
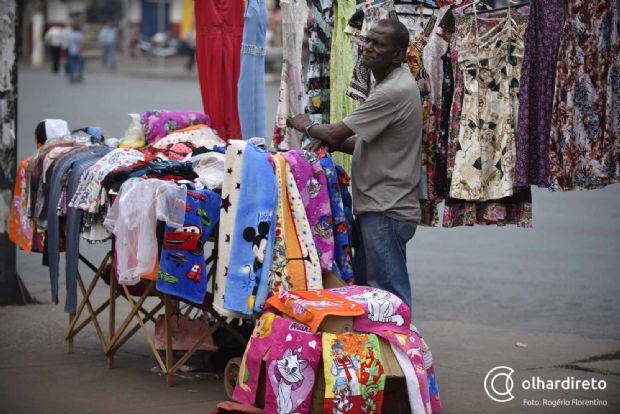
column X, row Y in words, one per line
column 585, row 119
column 292, row 92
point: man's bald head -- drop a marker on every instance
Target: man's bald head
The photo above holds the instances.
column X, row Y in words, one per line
column 398, row 32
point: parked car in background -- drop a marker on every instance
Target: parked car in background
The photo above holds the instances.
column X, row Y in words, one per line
column 161, row 44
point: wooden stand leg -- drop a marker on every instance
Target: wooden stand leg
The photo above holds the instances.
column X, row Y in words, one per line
column 168, row 341
column 112, row 316
column 70, row 338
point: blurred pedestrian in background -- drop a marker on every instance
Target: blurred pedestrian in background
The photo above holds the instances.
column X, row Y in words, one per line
column 66, row 31
column 75, row 59
column 107, row 40
column 54, row 40
column 190, row 44
column 134, row 39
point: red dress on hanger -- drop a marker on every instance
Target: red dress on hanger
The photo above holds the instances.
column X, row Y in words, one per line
column 219, row 29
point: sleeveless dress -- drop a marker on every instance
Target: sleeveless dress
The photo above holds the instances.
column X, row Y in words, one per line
column 459, row 107
column 251, row 86
column 585, row 119
column 490, row 52
column 219, row 28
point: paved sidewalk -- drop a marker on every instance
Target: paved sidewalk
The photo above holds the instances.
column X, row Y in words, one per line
column 38, row 375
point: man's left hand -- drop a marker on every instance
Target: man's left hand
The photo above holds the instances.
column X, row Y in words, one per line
column 298, row 122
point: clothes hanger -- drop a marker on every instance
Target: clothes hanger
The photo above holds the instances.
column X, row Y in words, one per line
column 487, row 6
column 421, row 13
column 423, row 8
column 430, row 4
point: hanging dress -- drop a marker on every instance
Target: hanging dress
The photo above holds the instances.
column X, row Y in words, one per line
column 340, row 73
column 219, row 29
column 536, row 94
column 292, row 91
column 515, row 209
column 585, row 119
column 319, row 45
column 438, row 53
column 251, row 85
column 490, row 48
column 426, row 193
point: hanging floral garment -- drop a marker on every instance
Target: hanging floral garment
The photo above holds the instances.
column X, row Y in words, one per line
column 319, row 44
column 20, row 226
column 585, row 120
column 428, row 200
column 292, row 91
column 490, row 48
column 516, row 209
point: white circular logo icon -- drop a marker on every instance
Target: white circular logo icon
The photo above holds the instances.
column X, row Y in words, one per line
column 498, row 384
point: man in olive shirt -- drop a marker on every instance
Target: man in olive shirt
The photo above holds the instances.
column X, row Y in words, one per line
column 384, row 135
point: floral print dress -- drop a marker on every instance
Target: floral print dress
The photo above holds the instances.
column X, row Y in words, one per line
column 319, row 45
column 490, row 51
column 428, row 201
column 292, row 91
column 585, row 120
column 512, row 210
